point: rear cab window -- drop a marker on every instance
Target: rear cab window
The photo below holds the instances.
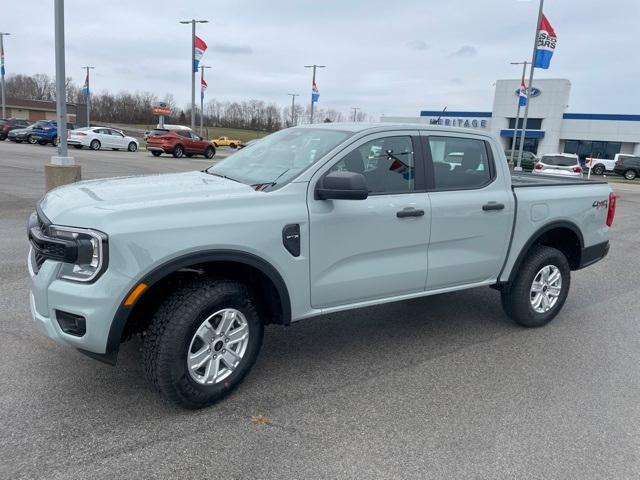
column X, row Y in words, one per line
column 559, row 160
column 460, row 163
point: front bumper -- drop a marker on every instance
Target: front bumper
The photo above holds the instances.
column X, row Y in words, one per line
column 96, row 302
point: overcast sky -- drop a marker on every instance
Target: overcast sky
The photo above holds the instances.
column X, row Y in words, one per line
column 386, row 57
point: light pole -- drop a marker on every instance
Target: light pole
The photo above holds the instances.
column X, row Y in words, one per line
column 88, row 94
column 355, row 113
column 62, row 169
column 515, row 131
column 4, row 106
column 313, row 82
column 193, row 69
column 293, row 107
column 202, row 67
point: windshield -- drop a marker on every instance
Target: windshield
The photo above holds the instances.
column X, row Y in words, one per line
column 559, row 160
column 279, row 157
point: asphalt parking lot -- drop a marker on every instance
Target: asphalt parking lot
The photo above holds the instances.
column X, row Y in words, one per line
column 440, row 387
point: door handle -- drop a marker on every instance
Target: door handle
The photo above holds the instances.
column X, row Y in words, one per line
column 409, row 212
column 492, row 206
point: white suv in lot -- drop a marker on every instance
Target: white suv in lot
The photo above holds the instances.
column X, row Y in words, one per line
column 559, row 164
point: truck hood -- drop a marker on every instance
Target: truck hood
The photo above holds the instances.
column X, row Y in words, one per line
column 86, row 203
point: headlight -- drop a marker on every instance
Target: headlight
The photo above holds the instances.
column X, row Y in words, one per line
column 92, row 254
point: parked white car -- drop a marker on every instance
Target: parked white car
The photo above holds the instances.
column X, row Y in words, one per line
column 601, row 165
column 559, row 164
column 101, row 137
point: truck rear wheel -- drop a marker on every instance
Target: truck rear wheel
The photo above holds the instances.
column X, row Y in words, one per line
column 202, row 341
column 540, row 288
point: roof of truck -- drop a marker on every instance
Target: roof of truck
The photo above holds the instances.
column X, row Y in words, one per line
column 373, row 127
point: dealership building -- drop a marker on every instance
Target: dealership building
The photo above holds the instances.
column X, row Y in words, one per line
column 550, row 128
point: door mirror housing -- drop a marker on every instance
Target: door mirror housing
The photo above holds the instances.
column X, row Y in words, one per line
column 342, row 186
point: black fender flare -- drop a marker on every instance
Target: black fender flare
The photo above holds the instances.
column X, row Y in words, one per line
column 122, row 314
column 536, row 235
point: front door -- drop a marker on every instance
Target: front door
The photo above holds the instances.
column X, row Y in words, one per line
column 374, row 248
column 471, row 208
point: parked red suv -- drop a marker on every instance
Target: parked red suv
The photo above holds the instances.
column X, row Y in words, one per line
column 179, row 143
column 6, row 125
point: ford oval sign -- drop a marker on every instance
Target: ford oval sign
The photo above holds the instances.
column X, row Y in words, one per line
column 533, row 92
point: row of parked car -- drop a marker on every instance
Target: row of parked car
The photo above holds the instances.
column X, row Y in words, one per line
column 45, row 132
column 568, row 164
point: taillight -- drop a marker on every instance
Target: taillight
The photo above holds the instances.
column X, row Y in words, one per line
column 80, row 134
column 611, row 211
column 538, row 166
column 577, row 170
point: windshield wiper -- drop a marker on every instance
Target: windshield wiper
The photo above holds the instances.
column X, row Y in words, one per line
column 271, row 183
column 222, row 176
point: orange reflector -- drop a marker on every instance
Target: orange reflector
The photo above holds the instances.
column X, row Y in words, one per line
column 133, row 296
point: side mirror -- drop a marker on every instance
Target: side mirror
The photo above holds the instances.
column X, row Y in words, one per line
column 342, row 186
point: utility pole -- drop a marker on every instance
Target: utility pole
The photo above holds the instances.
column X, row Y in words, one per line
column 193, row 67
column 293, row 107
column 4, row 105
column 313, row 83
column 515, row 131
column 88, row 95
column 62, row 169
column 355, row 113
column 518, row 168
column 202, row 67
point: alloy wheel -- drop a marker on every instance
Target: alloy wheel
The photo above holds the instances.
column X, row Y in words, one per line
column 545, row 289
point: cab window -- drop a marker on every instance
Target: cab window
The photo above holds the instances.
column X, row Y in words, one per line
column 388, row 164
column 459, row 163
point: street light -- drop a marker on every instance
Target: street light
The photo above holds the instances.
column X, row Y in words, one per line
column 313, row 82
column 4, row 107
column 87, row 93
column 202, row 67
column 193, row 70
column 293, row 107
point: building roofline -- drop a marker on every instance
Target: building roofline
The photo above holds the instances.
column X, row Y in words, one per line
column 601, row 116
column 439, row 113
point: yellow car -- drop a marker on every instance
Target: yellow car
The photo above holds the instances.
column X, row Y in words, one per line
column 225, row 142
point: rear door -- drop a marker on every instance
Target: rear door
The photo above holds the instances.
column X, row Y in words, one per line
column 374, row 248
column 103, row 135
column 472, row 210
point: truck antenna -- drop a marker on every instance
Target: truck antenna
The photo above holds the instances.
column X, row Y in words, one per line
column 440, row 116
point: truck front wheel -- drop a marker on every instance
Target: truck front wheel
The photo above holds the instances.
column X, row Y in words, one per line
column 202, row 341
column 540, row 288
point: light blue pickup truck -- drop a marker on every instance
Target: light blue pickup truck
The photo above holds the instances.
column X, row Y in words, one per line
column 307, row 221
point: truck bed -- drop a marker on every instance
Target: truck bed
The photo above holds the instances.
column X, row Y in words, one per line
column 520, row 180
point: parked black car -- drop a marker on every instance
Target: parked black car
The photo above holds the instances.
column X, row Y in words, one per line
column 628, row 167
column 20, row 135
column 6, row 125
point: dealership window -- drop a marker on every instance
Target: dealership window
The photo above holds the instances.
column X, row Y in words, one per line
column 589, row 148
column 532, row 123
column 530, row 144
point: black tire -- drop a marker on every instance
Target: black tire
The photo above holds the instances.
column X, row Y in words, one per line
column 598, row 169
column 178, row 151
column 630, row 174
column 516, row 298
column 77, row 147
column 95, row 145
column 156, row 154
column 232, row 145
column 166, row 342
column 209, row 152
column 132, row 147
column 54, row 141
column 31, row 140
